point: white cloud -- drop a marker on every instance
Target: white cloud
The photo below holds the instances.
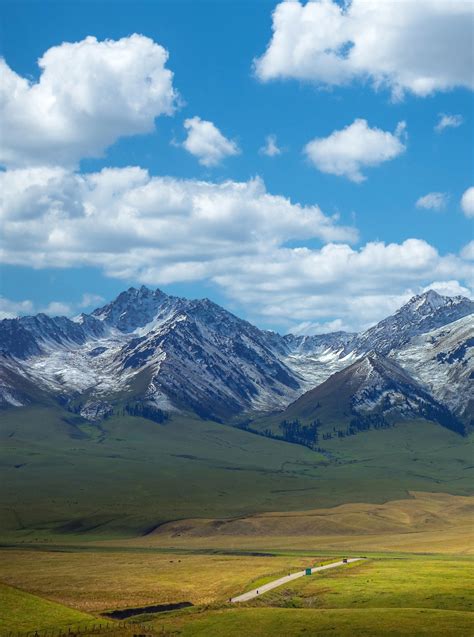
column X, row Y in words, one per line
column 420, row 47
column 207, row 143
column 433, row 201
column 62, row 308
column 467, row 202
column 232, row 235
column 309, row 327
column 270, row 148
column 90, row 300
column 10, row 309
column 345, row 152
column 54, row 217
column 468, row 251
column 88, row 95
column 359, row 287
column 448, row 121
column 449, row 288
column 57, row 308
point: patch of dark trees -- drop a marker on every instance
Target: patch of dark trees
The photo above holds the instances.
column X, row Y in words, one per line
column 295, row 432
column 357, row 424
column 310, row 435
column 145, row 410
column 441, row 414
column 138, row 409
column 306, row 435
column 292, row 431
column 366, row 422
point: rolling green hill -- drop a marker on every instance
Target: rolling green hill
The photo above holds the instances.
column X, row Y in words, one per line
column 127, row 475
column 26, row 612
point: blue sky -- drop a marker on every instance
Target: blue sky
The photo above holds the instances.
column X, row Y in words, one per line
column 211, row 47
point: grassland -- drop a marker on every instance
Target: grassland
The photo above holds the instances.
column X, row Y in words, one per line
column 95, row 581
column 446, row 584
column 304, row 622
column 379, row 596
column 132, row 513
column 423, row 523
column 22, row 611
column 127, row 476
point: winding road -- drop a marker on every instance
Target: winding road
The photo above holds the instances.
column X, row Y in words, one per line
column 245, row 597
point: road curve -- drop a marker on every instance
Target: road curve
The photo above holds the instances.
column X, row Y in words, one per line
column 288, row 578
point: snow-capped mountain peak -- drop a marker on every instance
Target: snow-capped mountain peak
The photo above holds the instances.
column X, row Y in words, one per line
column 194, row 355
column 420, row 315
column 431, row 301
column 133, row 308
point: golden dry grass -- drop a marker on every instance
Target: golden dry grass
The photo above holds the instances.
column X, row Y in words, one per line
column 96, row 581
column 424, row 522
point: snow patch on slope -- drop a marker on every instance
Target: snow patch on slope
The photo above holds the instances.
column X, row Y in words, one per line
column 443, row 360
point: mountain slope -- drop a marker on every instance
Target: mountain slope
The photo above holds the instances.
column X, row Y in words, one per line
column 128, row 475
column 373, row 391
column 443, row 360
column 192, row 355
column 174, row 353
column 420, row 315
column 214, row 363
column 316, row 358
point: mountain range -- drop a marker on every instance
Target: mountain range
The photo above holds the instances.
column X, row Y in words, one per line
column 148, row 350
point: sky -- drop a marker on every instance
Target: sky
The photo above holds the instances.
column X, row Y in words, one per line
column 309, row 166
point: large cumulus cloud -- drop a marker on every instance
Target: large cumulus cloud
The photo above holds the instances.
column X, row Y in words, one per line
column 420, row 46
column 88, row 95
column 236, row 235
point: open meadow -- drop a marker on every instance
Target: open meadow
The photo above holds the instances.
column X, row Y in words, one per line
column 385, row 594
column 100, row 580
column 134, row 514
column 127, row 476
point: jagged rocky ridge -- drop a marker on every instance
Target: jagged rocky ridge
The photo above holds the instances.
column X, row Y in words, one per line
column 192, row 355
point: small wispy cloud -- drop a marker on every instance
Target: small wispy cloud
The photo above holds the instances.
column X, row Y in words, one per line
column 11, row 308
column 270, row 148
column 433, row 201
column 448, row 121
column 90, row 300
column 449, row 288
